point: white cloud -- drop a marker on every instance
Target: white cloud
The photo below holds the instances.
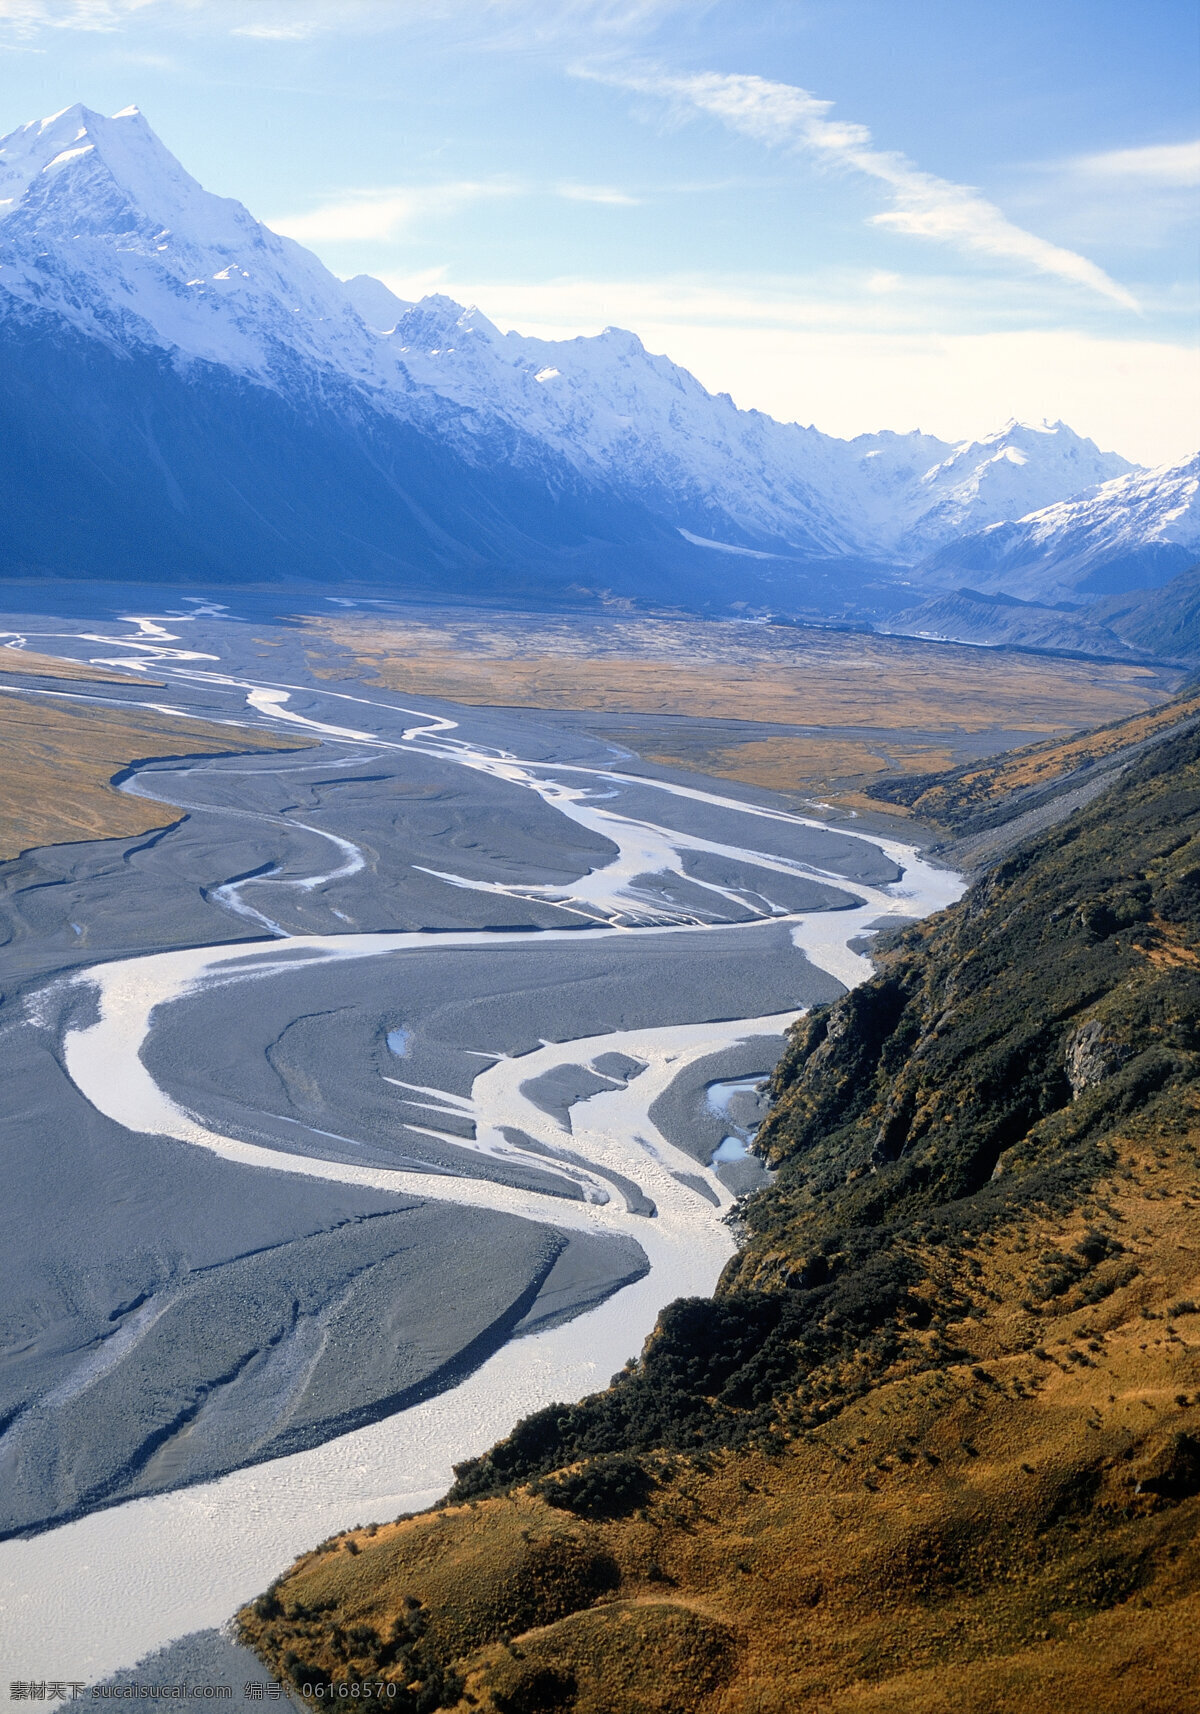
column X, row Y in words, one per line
column 572, row 305
column 597, row 193
column 824, row 357
column 1154, row 164
column 1136, row 199
column 385, row 213
column 923, row 205
column 29, row 15
column 283, row 31
column 477, row 23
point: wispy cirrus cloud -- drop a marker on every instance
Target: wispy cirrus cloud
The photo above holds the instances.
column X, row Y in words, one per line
column 482, row 23
column 298, row 30
column 29, row 15
column 1166, row 164
column 783, row 115
column 387, row 212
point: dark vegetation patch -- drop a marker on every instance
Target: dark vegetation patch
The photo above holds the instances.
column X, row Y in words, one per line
column 606, row 1488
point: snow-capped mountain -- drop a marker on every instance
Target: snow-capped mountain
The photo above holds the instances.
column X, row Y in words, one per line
column 1135, row 532
column 611, row 407
column 206, row 391
column 1005, row 475
column 188, row 394
column 100, row 225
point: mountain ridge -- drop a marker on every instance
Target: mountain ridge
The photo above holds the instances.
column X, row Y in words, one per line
column 105, row 238
column 1136, row 532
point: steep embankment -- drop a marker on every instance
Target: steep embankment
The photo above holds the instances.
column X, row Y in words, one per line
column 986, row 808
column 935, row 1444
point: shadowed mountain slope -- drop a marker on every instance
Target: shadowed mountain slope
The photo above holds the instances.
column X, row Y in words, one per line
column 1163, row 621
column 935, row 1443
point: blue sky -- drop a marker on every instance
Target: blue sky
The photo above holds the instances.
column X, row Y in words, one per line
column 858, row 213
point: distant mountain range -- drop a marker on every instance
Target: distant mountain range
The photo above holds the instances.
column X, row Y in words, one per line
column 1134, row 532
column 191, row 396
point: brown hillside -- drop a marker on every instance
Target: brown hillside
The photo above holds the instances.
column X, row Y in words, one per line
column 996, row 1533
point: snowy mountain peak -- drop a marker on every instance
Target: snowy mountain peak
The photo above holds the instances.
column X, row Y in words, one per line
column 621, row 340
column 437, row 323
column 103, row 227
column 126, row 158
column 380, row 308
column 104, row 232
column 988, row 479
column 1135, row 531
column 1039, row 440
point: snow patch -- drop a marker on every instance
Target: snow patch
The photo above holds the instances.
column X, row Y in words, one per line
column 725, row 547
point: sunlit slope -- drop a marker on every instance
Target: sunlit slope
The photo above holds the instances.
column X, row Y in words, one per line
column 971, row 800
column 935, row 1444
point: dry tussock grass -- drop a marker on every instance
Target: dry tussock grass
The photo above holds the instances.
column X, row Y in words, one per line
column 756, row 673
column 57, row 761
column 1015, row 1530
column 835, row 766
column 30, row 663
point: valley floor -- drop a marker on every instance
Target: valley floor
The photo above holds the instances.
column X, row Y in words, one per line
column 793, row 709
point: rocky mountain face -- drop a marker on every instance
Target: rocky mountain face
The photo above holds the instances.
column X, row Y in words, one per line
column 193, row 395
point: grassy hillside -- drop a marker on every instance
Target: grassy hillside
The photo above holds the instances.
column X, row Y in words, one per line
column 935, row 1443
column 979, row 796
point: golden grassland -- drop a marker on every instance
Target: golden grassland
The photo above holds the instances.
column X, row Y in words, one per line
column 929, row 705
column 1012, row 1533
column 30, row 663
column 757, row 673
column 974, row 788
column 57, row 760
column 837, row 766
